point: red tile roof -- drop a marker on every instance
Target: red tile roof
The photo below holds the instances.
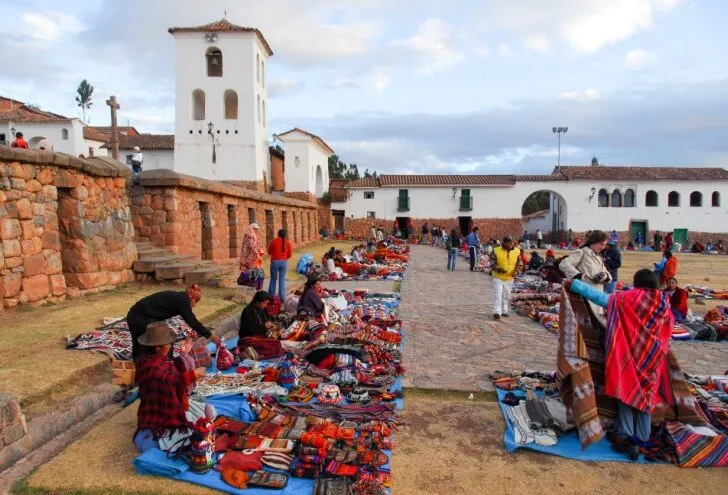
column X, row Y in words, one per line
column 106, row 129
column 337, row 191
column 538, row 178
column 145, row 142
column 94, row 134
column 446, row 180
column 316, row 138
column 223, row 26
column 17, row 111
column 368, row 182
column 640, row 173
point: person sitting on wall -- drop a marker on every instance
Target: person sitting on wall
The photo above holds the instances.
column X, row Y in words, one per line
column 19, row 141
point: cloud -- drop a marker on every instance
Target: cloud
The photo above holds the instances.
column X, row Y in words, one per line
column 283, row 87
column 433, row 44
column 639, row 59
column 586, row 95
column 482, row 51
column 504, row 50
column 538, row 43
column 380, row 79
column 51, row 26
column 586, row 27
column 344, row 83
column 519, row 138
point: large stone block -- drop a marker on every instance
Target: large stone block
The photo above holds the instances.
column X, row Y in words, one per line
column 86, row 280
column 53, row 263
column 38, row 209
column 50, row 192
column 9, row 228
column 58, row 284
column 51, row 221
column 11, row 248
column 11, row 284
column 66, row 178
column 33, row 265
column 35, row 288
column 25, row 209
column 44, row 176
column 18, row 184
column 13, row 263
column 51, row 240
column 28, row 229
column 33, row 186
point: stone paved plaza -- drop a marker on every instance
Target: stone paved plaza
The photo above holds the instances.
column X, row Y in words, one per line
column 453, row 343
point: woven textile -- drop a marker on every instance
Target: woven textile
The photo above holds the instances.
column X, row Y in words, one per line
column 695, row 450
column 580, row 363
column 639, row 328
column 114, row 339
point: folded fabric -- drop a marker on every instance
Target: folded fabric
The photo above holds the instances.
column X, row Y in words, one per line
column 332, row 486
column 247, row 460
column 277, row 460
column 268, row 479
column 158, row 463
column 277, row 445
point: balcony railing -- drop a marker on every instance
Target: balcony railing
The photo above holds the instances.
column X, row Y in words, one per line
column 466, row 203
column 403, row 203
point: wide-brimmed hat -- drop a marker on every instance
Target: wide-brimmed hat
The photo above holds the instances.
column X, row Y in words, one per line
column 157, row 334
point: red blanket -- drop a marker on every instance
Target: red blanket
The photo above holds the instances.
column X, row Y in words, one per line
column 639, row 327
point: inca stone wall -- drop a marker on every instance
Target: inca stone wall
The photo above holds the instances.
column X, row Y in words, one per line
column 65, row 226
column 207, row 220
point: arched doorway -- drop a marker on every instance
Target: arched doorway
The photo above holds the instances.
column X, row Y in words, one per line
column 319, row 182
column 545, row 210
column 38, row 141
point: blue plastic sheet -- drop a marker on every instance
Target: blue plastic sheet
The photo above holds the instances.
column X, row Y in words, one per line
column 568, row 445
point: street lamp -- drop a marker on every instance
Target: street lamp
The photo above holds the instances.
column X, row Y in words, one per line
column 559, row 131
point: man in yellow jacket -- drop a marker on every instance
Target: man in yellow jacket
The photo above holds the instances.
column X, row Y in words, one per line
column 506, row 262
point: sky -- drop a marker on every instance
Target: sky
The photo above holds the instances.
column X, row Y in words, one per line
column 413, row 86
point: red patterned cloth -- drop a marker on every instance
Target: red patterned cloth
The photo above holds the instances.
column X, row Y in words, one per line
column 639, row 327
column 161, row 410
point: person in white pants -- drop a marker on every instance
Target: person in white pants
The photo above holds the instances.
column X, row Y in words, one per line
column 505, row 261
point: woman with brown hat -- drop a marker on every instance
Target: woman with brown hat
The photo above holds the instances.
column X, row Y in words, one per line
column 161, row 306
column 161, row 419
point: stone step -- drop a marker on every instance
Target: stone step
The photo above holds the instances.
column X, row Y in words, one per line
column 143, row 254
column 175, row 270
column 227, row 278
column 145, row 245
column 202, row 275
column 148, row 265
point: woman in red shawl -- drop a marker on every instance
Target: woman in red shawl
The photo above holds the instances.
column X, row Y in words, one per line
column 251, row 259
column 637, row 342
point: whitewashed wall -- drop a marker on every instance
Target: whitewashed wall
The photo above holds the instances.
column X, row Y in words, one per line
column 581, row 213
column 53, row 133
column 241, row 156
column 97, row 147
column 153, row 159
column 302, row 178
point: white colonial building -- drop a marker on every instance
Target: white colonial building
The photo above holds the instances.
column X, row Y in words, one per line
column 40, row 128
column 626, row 199
column 307, row 169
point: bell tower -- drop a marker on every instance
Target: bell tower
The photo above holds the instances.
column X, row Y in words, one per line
column 221, row 121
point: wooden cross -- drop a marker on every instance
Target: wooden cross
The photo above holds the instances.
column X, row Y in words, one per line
column 114, row 128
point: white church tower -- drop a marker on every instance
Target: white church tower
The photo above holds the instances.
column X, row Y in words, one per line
column 221, row 121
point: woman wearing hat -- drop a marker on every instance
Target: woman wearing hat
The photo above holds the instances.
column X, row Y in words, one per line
column 251, row 259
column 161, row 306
column 161, row 420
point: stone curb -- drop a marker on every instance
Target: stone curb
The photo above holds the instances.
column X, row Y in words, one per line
column 43, row 429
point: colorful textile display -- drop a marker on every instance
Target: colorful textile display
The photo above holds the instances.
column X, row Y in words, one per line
column 696, row 450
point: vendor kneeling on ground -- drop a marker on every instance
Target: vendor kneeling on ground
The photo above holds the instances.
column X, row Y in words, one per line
column 165, row 411
column 254, row 320
column 161, row 306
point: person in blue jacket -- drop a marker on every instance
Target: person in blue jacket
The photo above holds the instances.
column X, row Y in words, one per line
column 473, row 242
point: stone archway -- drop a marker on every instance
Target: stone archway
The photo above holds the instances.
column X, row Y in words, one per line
column 319, row 182
column 38, row 142
column 545, row 210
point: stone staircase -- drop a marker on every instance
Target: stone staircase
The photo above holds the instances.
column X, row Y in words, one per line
column 162, row 265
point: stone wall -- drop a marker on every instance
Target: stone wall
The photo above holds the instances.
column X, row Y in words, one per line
column 65, row 226
column 325, row 218
column 358, row 228
column 302, row 196
column 207, row 220
column 12, row 422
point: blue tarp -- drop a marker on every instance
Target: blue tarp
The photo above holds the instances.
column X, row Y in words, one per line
column 568, row 445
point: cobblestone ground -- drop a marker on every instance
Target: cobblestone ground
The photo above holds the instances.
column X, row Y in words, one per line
column 453, row 343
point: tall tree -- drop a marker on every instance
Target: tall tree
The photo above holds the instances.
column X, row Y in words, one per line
column 85, row 97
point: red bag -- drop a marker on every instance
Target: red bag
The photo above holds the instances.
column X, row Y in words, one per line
column 224, row 358
column 274, row 307
column 200, row 353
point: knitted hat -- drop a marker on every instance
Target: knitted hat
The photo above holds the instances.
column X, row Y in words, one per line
column 329, row 394
column 287, row 377
column 235, row 477
column 549, row 252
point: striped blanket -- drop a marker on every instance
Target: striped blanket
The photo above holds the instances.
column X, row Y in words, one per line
column 696, row 450
column 581, row 375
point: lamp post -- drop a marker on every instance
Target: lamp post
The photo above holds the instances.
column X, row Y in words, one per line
column 559, row 131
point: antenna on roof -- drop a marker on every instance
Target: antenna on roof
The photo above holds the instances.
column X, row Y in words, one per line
column 225, row 16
